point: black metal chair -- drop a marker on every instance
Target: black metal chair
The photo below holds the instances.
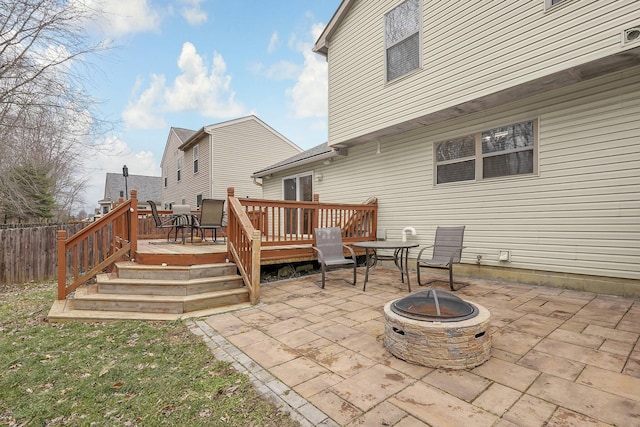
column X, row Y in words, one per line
column 330, row 251
column 174, row 223
column 211, row 217
column 447, row 250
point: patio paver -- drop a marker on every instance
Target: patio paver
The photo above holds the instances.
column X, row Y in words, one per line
column 559, row 357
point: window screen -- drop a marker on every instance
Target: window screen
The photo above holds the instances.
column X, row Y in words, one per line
column 402, row 39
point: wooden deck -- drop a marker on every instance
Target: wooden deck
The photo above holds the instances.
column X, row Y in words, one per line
column 159, row 251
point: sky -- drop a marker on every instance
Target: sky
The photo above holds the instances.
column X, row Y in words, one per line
column 192, row 63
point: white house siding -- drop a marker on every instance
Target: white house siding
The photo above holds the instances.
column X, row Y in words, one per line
column 580, row 214
column 470, row 49
column 172, row 193
column 196, row 183
column 240, row 149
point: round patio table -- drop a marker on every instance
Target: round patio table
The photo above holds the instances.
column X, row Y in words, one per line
column 400, row 256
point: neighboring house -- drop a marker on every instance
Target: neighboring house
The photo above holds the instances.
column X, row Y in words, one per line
column 148, row 187
column 204, row 163
column 519, row 120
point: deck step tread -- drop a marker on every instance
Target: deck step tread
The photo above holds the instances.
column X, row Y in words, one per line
column 89, row 295
column 114, row 279
column 61, row 312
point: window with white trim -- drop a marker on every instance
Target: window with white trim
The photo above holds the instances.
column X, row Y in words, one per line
column 402, row 39
column 196, row 157
column 179, row 171
column 550, row 3
column 166, row 176
column 503, row 151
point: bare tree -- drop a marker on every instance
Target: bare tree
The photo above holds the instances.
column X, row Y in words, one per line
column 47, row 116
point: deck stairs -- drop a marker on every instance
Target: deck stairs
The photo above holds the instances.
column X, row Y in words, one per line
column 156, row 292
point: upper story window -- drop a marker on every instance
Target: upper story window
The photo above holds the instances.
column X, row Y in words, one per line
column 551, row 3
column 196, row 157
column 166, row 176
column 502, row 151
column 179, row 173
column 402, row 39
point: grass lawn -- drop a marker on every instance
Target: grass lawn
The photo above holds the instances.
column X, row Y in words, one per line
column 114, row 373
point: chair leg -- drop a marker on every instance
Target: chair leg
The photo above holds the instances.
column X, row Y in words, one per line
column 323, row 273
column 354, row 275
column 451, row 277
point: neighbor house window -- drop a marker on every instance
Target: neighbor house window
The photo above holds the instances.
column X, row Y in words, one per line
column 179, row 173
column 196, row 156
column 502, row 151
column 402, row 39
column 198, row 200
column 551, row 3
column 166, row 176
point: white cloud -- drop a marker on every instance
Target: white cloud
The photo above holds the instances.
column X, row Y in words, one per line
column 197, row 88
column 143, row 112
column 120, row 17
column 274, row 41
column 110, row 156
column 192, row 13
column 308, row 98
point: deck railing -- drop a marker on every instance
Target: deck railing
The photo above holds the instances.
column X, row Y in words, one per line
column 97, row 246
column 255, row 223
column 284, row 222
column 243, row 245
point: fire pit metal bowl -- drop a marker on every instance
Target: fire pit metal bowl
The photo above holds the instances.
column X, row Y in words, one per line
column 434, row 305
column 437, row 329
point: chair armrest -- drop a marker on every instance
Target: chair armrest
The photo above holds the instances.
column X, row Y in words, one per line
column 320, row 255
column 353, row 254
column 422, row 250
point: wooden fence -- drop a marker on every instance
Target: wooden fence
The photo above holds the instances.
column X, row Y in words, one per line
column 30, row 254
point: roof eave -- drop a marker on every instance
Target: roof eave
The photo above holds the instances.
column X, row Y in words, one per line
column 319, row 157
column 193, row 139
column 322, row 44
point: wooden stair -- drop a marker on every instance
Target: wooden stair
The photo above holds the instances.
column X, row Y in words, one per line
column 156, row 292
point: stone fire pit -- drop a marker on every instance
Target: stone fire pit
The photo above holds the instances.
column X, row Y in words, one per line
column 424, row 328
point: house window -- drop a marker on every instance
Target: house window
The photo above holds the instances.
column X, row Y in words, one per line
column 502, row 151
column 550, row 3
column 166, row 176
column 179, row 173
column 402, row 39
column 196, row 156
column 198, row 200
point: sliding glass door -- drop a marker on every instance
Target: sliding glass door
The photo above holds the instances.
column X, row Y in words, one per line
column 298, row 188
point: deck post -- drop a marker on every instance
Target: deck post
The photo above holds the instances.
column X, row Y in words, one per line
column 133, row 236
column 255, row 266
column 62, row 264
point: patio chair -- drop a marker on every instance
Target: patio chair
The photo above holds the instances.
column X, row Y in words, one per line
column 447, row 250
column 174, row 223
column 211, row 217
column 330, row 251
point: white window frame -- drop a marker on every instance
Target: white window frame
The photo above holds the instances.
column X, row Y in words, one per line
column 479, row 156
column 388, row 46
column 548, row 4
column 179, row 170
column 196, row 158
column 297, row 178
column 166, row 176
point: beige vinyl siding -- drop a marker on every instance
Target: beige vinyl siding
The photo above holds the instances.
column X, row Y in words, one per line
column 580, row 213
column 172, row 193
column 196, row 183
column 470, row 49
column 240, row 149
